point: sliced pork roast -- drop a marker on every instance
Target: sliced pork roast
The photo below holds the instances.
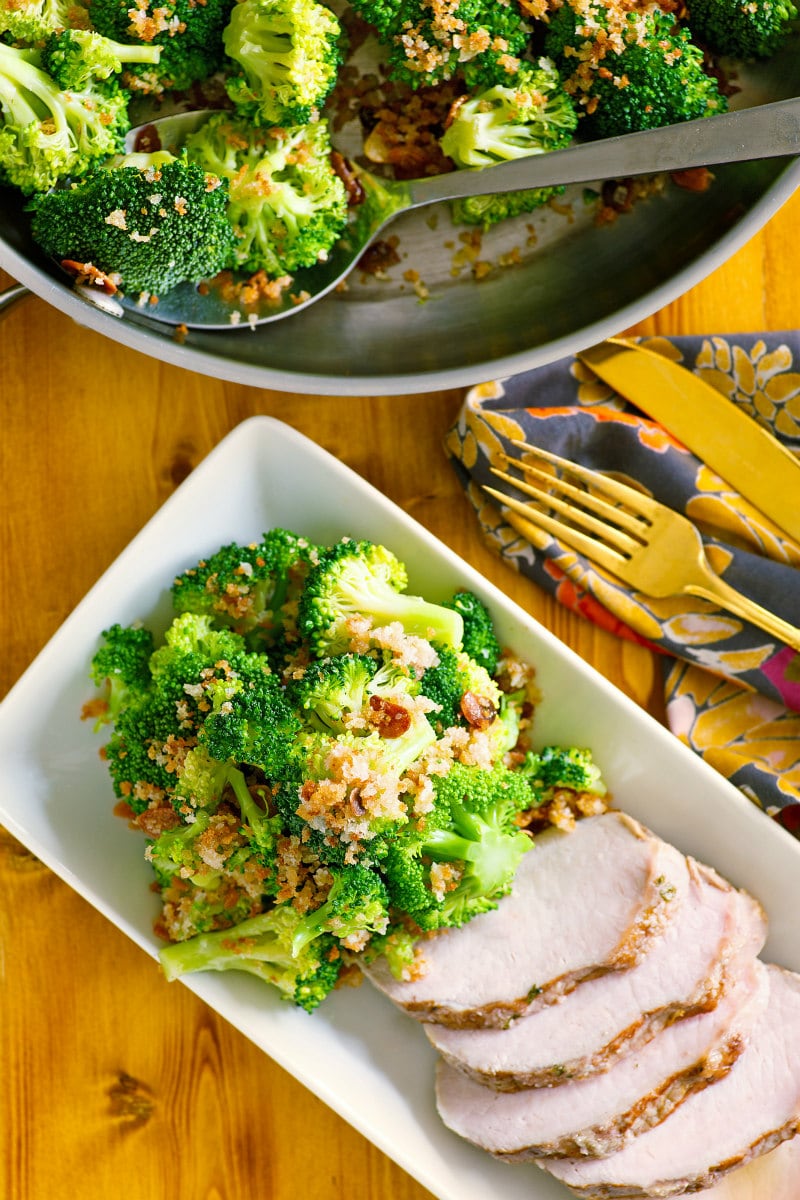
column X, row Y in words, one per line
column 748, row 1112
column 583, row 903
column 618, row 1012
column 599, row 1114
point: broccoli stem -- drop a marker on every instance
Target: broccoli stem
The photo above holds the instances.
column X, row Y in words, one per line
column 18, row 71
column 133, row 52
column 417, row 616
column 229, row 949
column 15, row 104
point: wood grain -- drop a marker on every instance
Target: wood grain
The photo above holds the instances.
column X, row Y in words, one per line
column 116, row 1084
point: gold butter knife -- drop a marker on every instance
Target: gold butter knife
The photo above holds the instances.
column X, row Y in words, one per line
column 713, row 427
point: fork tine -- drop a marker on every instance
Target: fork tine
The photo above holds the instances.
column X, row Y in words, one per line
column 637, row 501
column 608, row 533
column 585, row 499
column 524, row 514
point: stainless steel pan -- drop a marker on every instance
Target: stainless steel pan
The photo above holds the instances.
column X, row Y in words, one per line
column 429, row 324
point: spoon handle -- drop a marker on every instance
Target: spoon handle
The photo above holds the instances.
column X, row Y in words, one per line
column 765, row 131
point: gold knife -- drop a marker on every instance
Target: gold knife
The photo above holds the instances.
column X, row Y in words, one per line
column 720, row 433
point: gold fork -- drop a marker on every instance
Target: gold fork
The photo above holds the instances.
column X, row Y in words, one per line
column 645, row 544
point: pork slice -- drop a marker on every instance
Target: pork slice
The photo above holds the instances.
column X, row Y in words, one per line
column 751, row 1110
column 617, row 1013
column 598, row 1115
column 583, row 903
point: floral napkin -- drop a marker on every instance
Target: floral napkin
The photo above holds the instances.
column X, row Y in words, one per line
column 732, row 692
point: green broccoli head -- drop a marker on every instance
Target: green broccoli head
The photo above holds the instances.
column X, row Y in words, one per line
column 77, row 57
column 399, row 947
column 530, row 114
column 757, row 29
column 189, row 36
column 466, row 854
column 480, row 640
column 347, row 792
column 209, row 705
column 332, row 690
column 556, row 767
column 287, row 205
column 150, row 740
column 48, row 134
column 656, row 78
column 427, row 43
column 195, row 634
column 33, row 20
column 358, row 579
column 250, row 721
column 356, row 692
column 121, row 667
column 246, row 587
column 463, row 691
column 175, row 852
column 151, row 220
column 263, row 946
column 286, row 58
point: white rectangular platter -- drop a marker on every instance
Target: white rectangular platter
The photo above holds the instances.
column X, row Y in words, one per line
column 371, row 1064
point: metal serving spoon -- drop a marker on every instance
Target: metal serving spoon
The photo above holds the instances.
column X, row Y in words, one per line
column 765, row 131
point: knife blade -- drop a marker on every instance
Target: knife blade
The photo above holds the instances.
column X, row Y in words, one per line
column 714, row 428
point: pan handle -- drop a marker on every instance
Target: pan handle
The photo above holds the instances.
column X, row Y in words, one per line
column 11, row 295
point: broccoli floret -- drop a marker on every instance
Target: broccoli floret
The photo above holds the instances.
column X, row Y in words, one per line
column 480, row 640
column 490, row 209
column 455, row 681
column 47, row 134
column 287, row 205
column 360, row 579
column 244, row 852
column 246, row 587
column 33, row 20
column 121, row 667
column 355, row 908
column 145, row 745
column 77, row 57
column 331, row 690
column 347, row 787
column 175, row 852
column 657, row 78
column 286, row 55
column 200, row 675
column 753, row 30
column 530, row 114
column 250, row 721
column 471, row 827
column 246, row 718
column 399, row 946
column 151, row 220
column 262, row 946
column 561, row 767
column 194, row 634
column 189, row 35
column 426, row 42
column 203, row 781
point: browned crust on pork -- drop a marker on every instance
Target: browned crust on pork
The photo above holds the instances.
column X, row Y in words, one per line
column 647, row 1112
column 688, row 1187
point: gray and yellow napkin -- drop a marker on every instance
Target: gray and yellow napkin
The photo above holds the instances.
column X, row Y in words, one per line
column 732, row 693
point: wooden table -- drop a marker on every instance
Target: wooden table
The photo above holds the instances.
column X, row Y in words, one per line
column 114, row 1084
